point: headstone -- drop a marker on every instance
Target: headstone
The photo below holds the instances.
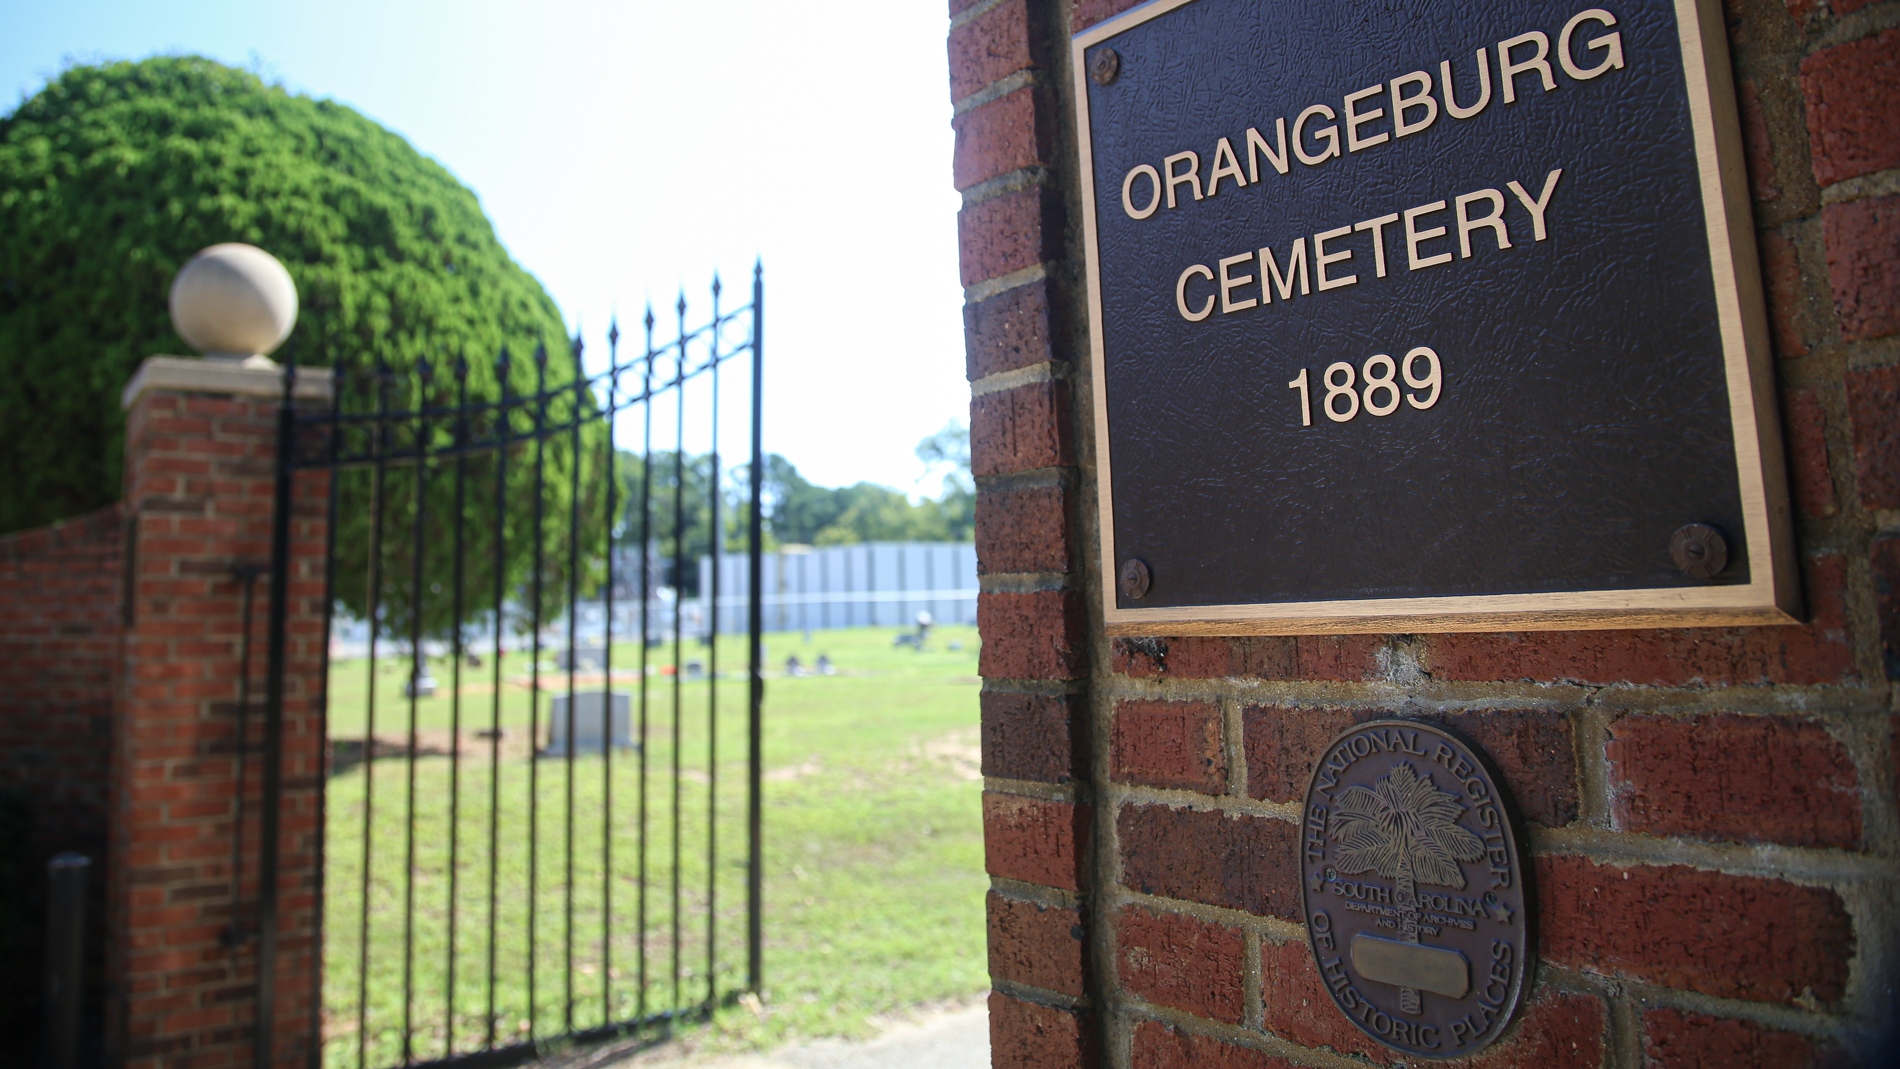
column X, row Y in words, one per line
column 584, row 658
column 421, row 684
column 591, row 735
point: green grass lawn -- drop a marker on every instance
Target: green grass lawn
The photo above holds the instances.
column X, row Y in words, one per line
column 873, row 851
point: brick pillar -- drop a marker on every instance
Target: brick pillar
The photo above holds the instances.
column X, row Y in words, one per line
column 1715, row 812
column 1037, row 811
column 200, row 448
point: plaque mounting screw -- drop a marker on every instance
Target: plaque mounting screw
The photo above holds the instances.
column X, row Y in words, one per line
column 1135, row 579
column 1699, row 550
column 1105, row 66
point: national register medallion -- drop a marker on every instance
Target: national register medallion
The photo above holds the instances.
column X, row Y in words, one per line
column 1413, row 890
column 1432, row 316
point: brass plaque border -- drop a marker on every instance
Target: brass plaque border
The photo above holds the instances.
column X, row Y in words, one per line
column 1771, row 597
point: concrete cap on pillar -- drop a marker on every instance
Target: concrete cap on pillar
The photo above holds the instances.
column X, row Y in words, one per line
column 234, row 302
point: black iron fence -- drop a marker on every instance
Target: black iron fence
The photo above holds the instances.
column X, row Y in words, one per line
column 538, row 828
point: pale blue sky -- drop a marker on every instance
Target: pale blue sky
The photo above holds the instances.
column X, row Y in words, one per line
column 623, row 149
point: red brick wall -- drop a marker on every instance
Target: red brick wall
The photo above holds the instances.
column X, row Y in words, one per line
column 1713, row 811
column 199, row 484
column 62, row 590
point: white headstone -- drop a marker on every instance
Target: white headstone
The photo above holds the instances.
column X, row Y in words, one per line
column 590, row 733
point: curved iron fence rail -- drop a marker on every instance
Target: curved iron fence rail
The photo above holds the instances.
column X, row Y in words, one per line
column 439, row 946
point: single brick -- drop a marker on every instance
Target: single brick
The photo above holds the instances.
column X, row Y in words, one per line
column 1863, row 264
column 1534, row 751
column 1739, row 937
column 1182, row 962
column 1751, row 779
column 991, row 47
column 1816, row 652
column 1038, row 945
column 1873, row 410
column 1163, row 1046
column 1169, row 744
column 1038, row 635
column 1024, row 1035
column 1020, row 429
column 1022, row 530
column 1853, row 127
column 1009, row 233
column 1034, row 840
column 1283, row 744
column 1531, row 747
column 1007, row 134
column 1808, row 470
column 1013, row 329
column 1329, row 658
column 1885, row 554
column 1782, row 283
column 1554, row 1030
column 1679, row 1039
column 1087, row 13
column 1237, row 861
column 1034, row 736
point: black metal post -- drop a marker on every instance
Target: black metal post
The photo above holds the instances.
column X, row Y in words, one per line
column 503, row 424
column 323, row 717
column 573, row 665
column 679, row 616
column 534, row 676
column 418, row 667
column 455, row 699
column 261, row 1048
column 374, row 579
column 755, row 628
column 646, row 601
column 716, row 545
column 607, row 676
column 65, row 959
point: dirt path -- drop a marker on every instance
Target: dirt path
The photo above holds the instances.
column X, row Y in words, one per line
column 951, row 1038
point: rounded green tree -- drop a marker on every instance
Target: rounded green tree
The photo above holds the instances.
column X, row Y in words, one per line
column 112, row 176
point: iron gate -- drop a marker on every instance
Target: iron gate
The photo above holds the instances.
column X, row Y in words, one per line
column 520, row 851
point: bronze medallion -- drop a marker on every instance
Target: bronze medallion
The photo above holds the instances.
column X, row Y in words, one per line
column 1413, row 889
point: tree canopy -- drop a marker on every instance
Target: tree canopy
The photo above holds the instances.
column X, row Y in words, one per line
column 113, row 175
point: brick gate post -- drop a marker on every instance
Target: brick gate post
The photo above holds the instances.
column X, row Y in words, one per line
column 1714, row 812
column 200, row 450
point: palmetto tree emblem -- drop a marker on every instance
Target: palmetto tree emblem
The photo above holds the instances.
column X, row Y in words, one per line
column 1406, row 830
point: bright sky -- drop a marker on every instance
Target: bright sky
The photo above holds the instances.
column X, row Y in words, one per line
column 624, row 149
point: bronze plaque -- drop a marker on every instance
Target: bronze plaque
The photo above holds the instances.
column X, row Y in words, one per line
column 1413, row 889
column 1425, row 316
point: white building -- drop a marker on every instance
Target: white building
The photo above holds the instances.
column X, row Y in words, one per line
column 870, row 584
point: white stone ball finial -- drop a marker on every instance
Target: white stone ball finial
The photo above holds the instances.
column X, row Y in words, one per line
column 233, row 302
